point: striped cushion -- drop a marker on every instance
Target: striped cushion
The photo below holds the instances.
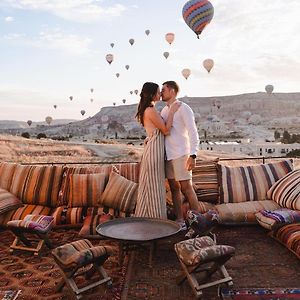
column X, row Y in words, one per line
column 37, row 185
column 8, row 201
column 6, row 174
column 244, row 212
column 240, row 184
column 120, row 193
column 205, row 181
column 69, row 216
column 289, row 235
column 86, row 189
column 286, row 191
column 277, row 218
column 91, row 222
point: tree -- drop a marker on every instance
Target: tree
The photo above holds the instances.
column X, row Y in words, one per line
column 276, row 135
column 286, row 137
column 25, row 135
column 41, row 136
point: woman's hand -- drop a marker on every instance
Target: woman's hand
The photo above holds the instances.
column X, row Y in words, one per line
column 175, row 106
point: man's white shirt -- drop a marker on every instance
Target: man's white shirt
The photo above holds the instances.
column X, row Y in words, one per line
column 183, row 138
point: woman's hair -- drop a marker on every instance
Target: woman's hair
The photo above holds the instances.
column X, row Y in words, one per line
column 149, row 90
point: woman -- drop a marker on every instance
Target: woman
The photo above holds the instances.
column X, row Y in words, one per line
column 151, row 200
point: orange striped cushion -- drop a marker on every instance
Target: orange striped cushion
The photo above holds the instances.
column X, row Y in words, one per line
column 250, row 183
column 286, row 191
column 37, row 185
column 6, row 174
column 8, row 201
column 120, row 193
column 91, row 222
column 86, row 189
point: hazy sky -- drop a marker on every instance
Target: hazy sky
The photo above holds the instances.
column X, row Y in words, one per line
column 53, row 49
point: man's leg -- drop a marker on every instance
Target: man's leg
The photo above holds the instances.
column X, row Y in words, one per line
column 176, row 198
column 189, row 193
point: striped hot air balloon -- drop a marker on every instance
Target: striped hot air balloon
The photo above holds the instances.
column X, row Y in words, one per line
column 197, row 14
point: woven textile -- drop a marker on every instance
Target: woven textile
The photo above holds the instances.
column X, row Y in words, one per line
column 277, row 218
column 244, row 212
column 91, row 222
column 286, row 191
column 241, row 184
column 37, row 185
column 289, row 236
column 205, row 181
column 6, row 174
column 8, row 201
column 86, row 189
column 69, row 216
column 120, row 193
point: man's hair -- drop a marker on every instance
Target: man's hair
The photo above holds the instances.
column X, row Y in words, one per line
column 172, row 85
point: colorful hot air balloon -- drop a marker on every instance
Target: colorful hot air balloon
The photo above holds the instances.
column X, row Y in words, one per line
column 55, row 106
column 127, row 67
column 109, row 58
column 29, row 122
column 170, row 37
column 112, row 45
column 124, row 101
column 186, row 73
column 118, row 75
column 269, row 89
column 208, row 64
column 197, row 14
column 136, row 91
column 48, row 120
column 166, row 54
column 71, row 98
column 131, row 41
column 147, row 32
column 82, row 112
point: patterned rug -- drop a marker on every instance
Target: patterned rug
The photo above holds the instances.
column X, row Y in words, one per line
column 9, row 294
column 260, row 294
column 36, row 277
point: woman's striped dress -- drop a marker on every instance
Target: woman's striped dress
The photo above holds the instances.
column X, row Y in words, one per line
column 151, row 200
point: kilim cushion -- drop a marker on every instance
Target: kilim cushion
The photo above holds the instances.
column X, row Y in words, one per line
column 8, row 201
column 37, row 185
column 289, row 236
column 241, row 184
column 200, row 250
column 244, row 212
column 277, row 218
column 86, row 189
column 6, row 174
column 286, row 191
column 69, row 216
column 205, row 181
column 91, row 222
column 120, row 193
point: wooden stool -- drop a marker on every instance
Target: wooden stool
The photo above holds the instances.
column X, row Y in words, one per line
column 200, row 258
column 81, row 257
column 38, row 225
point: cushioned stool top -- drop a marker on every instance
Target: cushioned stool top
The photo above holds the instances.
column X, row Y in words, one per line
column 39, row 223
column 79, row 253
column 200, row 250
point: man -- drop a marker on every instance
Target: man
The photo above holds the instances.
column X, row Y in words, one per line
column 181, row 150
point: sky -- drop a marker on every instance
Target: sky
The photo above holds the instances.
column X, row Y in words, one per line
column 53, row 49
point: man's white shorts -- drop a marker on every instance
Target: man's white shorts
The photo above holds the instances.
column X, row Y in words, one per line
column 177, row 169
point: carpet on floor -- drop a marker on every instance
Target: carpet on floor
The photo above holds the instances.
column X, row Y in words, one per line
column 9, row 294
column 37, row 277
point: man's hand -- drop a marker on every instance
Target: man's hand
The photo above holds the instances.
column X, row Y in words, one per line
column 191, row 163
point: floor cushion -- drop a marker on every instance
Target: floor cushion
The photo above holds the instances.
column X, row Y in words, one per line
column 8, row 201
column 91, row 222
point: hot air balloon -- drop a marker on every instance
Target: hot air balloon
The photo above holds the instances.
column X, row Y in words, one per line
column 124, row 100
column 112, row 45
column 186, row 73
column 147, row 32
column 114, row 103
column 197, row 14
column 118, row 75
column 127, row 67
column 170, row 37
column 71, row 98
column 166, row 54
column 29, row 122
column 82, row 112
column 55, row 106
column 136, row 91
column 131, row 41
column 92, row 90
column 91, row 99
column 109, row 58
column 269, row 89
column 131, row 92
column 48, row 120
column 208, row 64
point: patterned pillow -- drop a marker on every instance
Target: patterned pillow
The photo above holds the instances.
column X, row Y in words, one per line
column 8, row 201
column 286, row 191
column 86, row 189
column 69, row 216
column 250, row 183
column 91, row 222
column 205, row 181
column 120, row 193
column 277, row 218
column 6, row 174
